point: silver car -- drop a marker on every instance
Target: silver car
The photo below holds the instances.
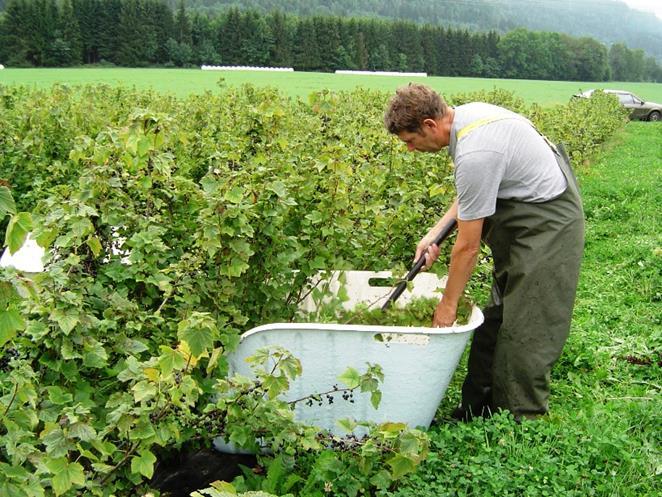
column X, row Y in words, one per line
column 639, row 109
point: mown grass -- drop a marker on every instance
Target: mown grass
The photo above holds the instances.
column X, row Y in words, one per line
column 183, row 82
column 602, row 436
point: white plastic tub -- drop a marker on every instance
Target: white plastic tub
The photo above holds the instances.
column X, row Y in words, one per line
column 28, row 258
column 418, row 363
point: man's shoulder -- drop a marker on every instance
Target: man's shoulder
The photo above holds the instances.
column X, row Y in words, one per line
column 468, row 114
column 480, row 109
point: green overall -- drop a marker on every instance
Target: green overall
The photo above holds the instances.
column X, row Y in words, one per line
column 537, row 250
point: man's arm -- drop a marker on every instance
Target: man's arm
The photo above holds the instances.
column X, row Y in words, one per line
column 463, row 260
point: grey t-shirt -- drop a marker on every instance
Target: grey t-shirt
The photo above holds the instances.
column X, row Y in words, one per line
column 505, row 159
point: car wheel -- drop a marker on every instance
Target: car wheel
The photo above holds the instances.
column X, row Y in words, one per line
column 654, row 116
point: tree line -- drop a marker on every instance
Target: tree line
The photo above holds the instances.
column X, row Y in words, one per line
column 609, row 21
column 139, row 33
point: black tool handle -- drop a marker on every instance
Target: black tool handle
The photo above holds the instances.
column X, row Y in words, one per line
column 401, row 287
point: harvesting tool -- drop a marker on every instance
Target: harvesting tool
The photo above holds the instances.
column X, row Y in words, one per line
column 418, row 265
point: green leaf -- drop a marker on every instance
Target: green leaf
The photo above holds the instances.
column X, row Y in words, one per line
column 133, row 370
column 65, row 474
column 235, row 268
column 275, row 473
column 67, row 320
column 95, row 355
column 409, row 444
column 132, row 144
column 143, row 390
column 131, row 346
column 8, row 489
column 382, row 479
column 390, row 428
column 224, row 486
column 240, row 436
column 7, row 205
column 278, row 187
column 350, row 378
column 315, row 217
column 145, row 182
column 142, row 431
column 347, row 424
column 275, row 385
column 291, row 367
column 234, row 195
column 82, row 431
column 400, row 466
column 95, row 245
column 57, row 445
column 11, row 322
column 198, row 332
column 214, row 360
column 209, row 184
column 143, row 146
column 58, row 396
column 170, row 359
column 143, row 463
column 17, row 231
column 375, row 398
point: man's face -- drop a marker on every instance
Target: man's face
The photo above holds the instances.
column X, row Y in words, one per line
column 426, row 139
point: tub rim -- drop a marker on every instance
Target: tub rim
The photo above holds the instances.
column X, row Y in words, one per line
column 477, row 319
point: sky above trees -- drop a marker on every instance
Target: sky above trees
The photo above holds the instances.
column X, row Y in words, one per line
column 653, row 6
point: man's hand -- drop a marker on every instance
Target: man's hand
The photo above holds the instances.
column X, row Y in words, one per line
column 444, row 315
column 426, row 245
column 430, row 250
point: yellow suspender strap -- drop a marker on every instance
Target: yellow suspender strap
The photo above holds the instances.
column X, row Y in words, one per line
column 477, row 124
column 482, row 122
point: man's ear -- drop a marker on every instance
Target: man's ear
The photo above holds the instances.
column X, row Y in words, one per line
column 429, row 123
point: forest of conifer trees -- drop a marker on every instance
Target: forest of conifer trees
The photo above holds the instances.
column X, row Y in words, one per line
column 137, row 33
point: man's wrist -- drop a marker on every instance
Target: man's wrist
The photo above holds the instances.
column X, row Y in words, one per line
column 449, row 302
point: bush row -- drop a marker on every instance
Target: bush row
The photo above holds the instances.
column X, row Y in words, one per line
column 174, row 225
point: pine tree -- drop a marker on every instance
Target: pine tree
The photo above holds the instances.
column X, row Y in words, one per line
column 87, row 14
column 69, row 32
column 182, row 25
column 306, row 49
column 203, row 35
column 428, row 49
column 327, row 36
column 109, row 38
column 362, row 56
column 13, row 34
column 137, row 40
column 159, row 28
column 229, row 37
column 256, row 42
column 281, row 34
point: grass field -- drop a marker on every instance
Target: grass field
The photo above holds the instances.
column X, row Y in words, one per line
column 182, row 82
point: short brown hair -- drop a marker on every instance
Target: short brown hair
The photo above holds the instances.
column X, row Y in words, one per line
column 411, row 105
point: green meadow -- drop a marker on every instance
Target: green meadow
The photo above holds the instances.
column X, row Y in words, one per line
column 182, row 82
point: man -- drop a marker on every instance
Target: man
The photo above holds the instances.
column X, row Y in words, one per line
column 516, row 192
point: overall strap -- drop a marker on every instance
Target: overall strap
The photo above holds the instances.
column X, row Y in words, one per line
column 487, row 120
column 481, row 122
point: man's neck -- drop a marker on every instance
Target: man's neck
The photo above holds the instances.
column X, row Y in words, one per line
column 445, row 125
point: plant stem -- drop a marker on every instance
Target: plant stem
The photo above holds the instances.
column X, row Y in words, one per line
column 328, row 392
column 11, row 401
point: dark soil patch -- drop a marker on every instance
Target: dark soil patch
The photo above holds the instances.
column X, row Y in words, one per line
column 181, row 473
column 644, row 361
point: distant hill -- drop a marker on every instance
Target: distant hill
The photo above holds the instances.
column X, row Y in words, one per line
column 609, row 21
